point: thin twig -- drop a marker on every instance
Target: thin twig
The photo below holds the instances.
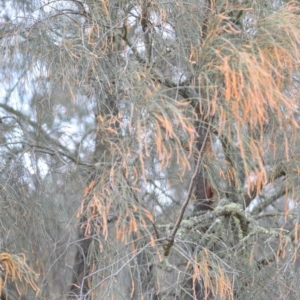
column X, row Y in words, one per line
column 170, row 241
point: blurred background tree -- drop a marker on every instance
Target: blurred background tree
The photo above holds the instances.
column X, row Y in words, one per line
column 149, row 149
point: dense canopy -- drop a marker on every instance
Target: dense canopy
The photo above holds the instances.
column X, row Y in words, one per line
column 149, row 149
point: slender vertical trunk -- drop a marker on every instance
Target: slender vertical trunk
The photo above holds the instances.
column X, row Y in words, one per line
column 203, row 190
column 84, row 264
column 81, row 266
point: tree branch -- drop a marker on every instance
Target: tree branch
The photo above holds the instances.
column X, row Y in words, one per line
column 64, row 151
column 170, row 241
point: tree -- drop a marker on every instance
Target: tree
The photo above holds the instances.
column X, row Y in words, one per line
column 149, row 149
